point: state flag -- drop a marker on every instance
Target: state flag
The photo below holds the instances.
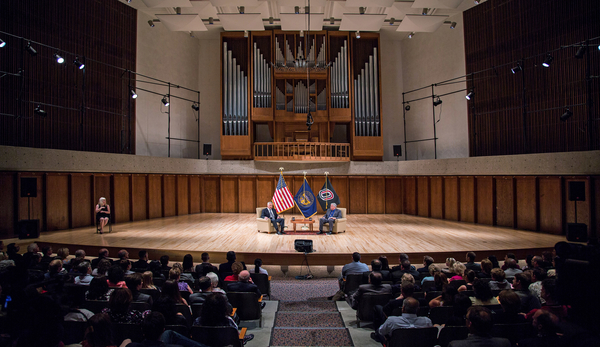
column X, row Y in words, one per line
column 305, row 201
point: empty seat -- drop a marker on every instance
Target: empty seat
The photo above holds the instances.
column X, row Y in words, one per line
column 414, row 337
column 218, row 336
column 364, row 312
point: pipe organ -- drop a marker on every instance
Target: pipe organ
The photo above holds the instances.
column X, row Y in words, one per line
column 275, row 78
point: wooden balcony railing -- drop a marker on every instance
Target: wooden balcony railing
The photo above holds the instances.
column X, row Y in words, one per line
column 313, row 151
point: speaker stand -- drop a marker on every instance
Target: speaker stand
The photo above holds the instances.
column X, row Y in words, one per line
column 29, row 207
column 309, row 274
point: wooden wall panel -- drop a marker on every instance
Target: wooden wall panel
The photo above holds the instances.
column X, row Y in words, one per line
column 410, row 195
column 139, row 197
column 467, row 199
column 505, row 203
column 486, row 199
column 451, row 198
column 583, row 207
column 358, row 194
column 155, row 197
column 183, row 203
column 229, row 192
column 7, row 204
column 120, row 208
column 436, row 189
column 211, row 194
column 37, row 203
column 102, row 189
column 247, row 194
column 596, row 197
column 526, row 203
column 423, row 198
column 376, row 194
column 265, row 187
column 169, row 198
column 393, row 195
column 82, row 204
column 340, row 185
column 194, row 195
column 550, row 205
column 57, row 201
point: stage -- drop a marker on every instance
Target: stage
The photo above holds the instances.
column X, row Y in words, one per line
column 371, row 235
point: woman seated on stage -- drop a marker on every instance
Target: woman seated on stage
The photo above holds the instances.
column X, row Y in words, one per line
column 102, row 214
column 171, row 289
column 174, row 275
column 236, row 267
column 258, row 267
column 147, row 281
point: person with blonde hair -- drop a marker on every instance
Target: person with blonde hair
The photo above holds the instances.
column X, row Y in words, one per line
column 459, row 271
column 175, row 274
column 148, row 280
column 449, row 269
column 102, row 213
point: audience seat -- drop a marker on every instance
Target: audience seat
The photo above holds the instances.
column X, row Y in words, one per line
column 364, row 312
column 263, row 282
column 95, row 306
column 182, row 329
column 247, row 304
column 449, row 333
column 74, row 332
column 140, row 306
column 218, row 336
column 414, row 337
column 158, row 282
column 514, row 332
column 441, row 314
column 122, row 331
column 185, row 311
column 154, row 293
column 196, row 310
column 432, row 295
column 184, row 294
column 352, row 282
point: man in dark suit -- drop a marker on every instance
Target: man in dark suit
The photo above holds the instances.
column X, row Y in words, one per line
column 471, row 264
column 134, row 283
column 405, row 268
column 102, row 254
column 374, row 286
column 270, row 214
column 244, row 284
column 205, row 267
column 479, row 322
column 225, row 268
column 143, row 262
column 427, row 260
column 330, row 216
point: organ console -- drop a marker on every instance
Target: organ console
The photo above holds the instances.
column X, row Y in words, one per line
column 276, row 78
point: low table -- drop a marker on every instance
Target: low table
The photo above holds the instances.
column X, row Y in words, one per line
column 302, row 221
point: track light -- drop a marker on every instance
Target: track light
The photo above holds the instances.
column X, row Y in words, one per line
column 410, row 36
column 296, row 9
column 151, row 23
column 469, row 95
column 452, row 25
column 581, row 51
column 568, row 114
column 392, row 21
column 211, row 20
column 78, row 63
column 407, row 107
column 133, row 93
column 437, row 102
column 242, row 9
column 38, row 110
column 165, row 101
column 517, row 68
column 58, row 58
column 547, row 61
column 424, row 11
column 245, row 33
column 332, row 22
column 30, row 49
column 301, row 33
column 358, row 34
column 361, row 10
column 271, row 20
column 195, row 107
column 2, row 43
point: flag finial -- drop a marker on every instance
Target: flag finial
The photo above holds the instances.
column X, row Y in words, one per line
column 281, row 169
column 304, row 172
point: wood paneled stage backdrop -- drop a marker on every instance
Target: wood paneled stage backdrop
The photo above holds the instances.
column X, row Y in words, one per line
column 66, row 200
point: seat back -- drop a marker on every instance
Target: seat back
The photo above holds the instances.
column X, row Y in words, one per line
column 514, row 332
column 262, row 282
column 432, row 295
column 196, row 310
column 353, row 281
column 182, row 329
column 140, row 306
column 458, row 283
column 364, row 312
column 122, row 331
column 441, row 314
column 75, row 292
column 74, row 332
column 259, row 211
column 185, row 294
column 343, row 210
column 95, row 306
column 185, row 311
column 216, row 336
column 449, row 334
column 427, row 285
column 414, row 337
column 248, row 307
column 154, row 293
column 158, row 282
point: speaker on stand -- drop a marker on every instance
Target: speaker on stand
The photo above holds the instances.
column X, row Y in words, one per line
column 207, row 150
column 29, row 228
column 577, row 232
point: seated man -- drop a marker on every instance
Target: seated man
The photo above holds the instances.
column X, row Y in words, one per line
column 405, row 268
column 85, row 274
column 355, row 267
column 512, row 268
column 330, row 216
column 205, row 267
column 374, row 286
column 498, row 281
column 408, row 319
column 479, row 322
column 377, row 267
column 225, row 268
column 143, row 262
column 134, row 283
column 205, row 286
column 244, row 284
column 270, row 214
column 427, row 260
column 102, row 254
column 471, row 264
column 520, row 285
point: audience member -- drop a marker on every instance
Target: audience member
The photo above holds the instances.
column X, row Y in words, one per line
column 538, row 275
column 205, row 287
column 494, row 261
column 447, row 297
column 148, row 280
column 155, row 267
column 244, row 284
column 483, row 294
column 432, row 270
column 12, row 250
column 529, row 301
column 385, row 265
column 153, row 327
column 31, row 250
column 528, row 261
column 236, row 268
column 407, row 290
column 166, row 305
column 427, row 261
column 258, row 267
column 506, row 258
column 449, row 269
column 142, row 263
column 118, row 308
column 459, row 271
column 479, row 322
column 549, row 294
column 401, row 258
column 377, row 267
column 461, row 306
column 116, row 277
column 374, row 286
column 98, row 332
column 101, row 268
column 439, row 282
column 225, row 268
column 205, row 267
column 174, row 275
column 125, row 265
column 548, row 331
column 164, row 262
column 80, row 253
column 354, row 267
column 63, row 254
column 55, row 269
column 498, row 281
column 511, row 304
column 188, row 268
column 102, row 254
column 471, row 264
column 214, row 281
column 469, row 277
column 486, row 269
column 134, row 284
column 215, row 313
column 76, row 312
column 85, row 274
column 98, row 289
column 47, row 256
column 35, row 262
column 404, row 269
column 408, row 319
column 171, row 289
column 123, row 254
column 512, row 268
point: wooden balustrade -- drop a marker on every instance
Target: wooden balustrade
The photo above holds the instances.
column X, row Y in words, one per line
column 314, row 151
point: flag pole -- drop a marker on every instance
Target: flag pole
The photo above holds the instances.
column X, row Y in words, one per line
column 326, row 173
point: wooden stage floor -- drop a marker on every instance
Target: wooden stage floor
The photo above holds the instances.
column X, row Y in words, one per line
column 371, row 235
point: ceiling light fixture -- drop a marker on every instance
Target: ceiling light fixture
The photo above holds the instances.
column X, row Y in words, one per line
column 38, row 110
column 211, row 20
column 271, row 20
column 407, row 107
column 410, row 36
column 2, row 43
column 178, row 10
column 469, row 95
column 151, row 23
column 568, row 114
column 437, row 102
column 30, row 49
column 392, row 20
column 242, row 9
column 78, row 63
column 165, row 101
column 358, row 34
column 133, row 93
column 245, row 33
column 453, row 25
column 58, row 58
column 297, row 9
column 361, row 10
column 547, row 61
column 581, row 51
column 332, row 22
column 195, row 107
column 517, row 68
column 424, row 11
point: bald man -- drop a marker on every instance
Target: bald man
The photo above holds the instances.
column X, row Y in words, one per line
column 244, row 284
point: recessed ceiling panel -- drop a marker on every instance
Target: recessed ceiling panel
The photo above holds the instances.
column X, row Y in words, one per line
column 369, row 3
column 301, row 3
column 247, row 3
column 420, row 23
column 240, row 22
column 362, row 22
column 450, row 4
column 292, row 21
column 167, row 3
column 182, row 22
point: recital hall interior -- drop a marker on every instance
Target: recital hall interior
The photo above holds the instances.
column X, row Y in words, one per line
column 443, row 127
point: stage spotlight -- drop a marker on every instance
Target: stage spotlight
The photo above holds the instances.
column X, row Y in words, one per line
column 211, row 20
column 297, row 9
column 424, row 11
column 517, row 68
column 331, row 20
column 78, row 63
column 151, row 23
column 30, row 49
column 469, row 96
column 133, row 93
column 245, row 33
column 568, row 114
column 410, row 36
column 165, row 101
column 2, row 43
column 581, row 51
column 358, row 34
column 547, row 61
column 58, row 58
column 452, row 25
column 437, row 102
column 301, row 33
column 407, row 107
column 38, row 110
column 195, row 107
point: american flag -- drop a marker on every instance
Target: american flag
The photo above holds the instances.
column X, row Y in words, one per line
column 282, row 199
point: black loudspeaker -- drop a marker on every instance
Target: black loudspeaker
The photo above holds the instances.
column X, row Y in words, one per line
column 28, row 187
column 576, row 191
column 207, row 149
column 304, row 246
column 397, row 150
column 29, row 228
column 577, row 232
